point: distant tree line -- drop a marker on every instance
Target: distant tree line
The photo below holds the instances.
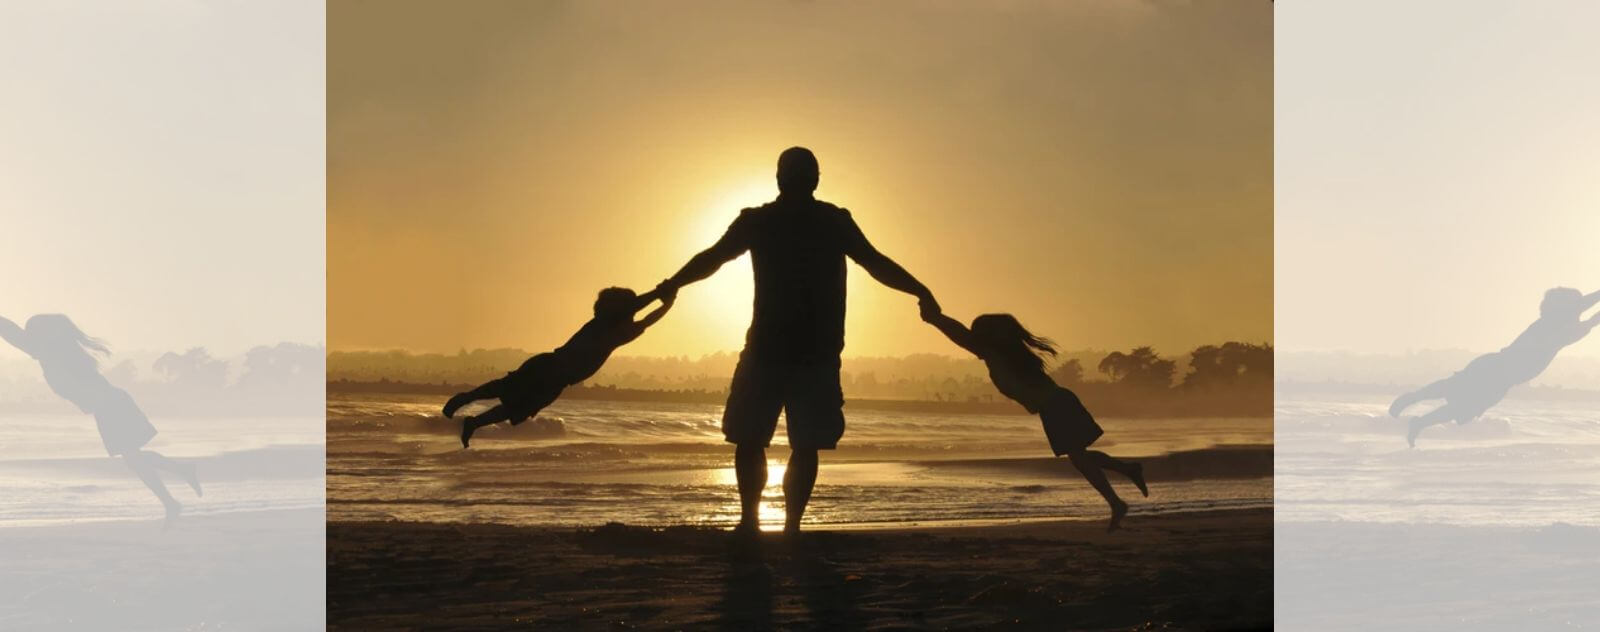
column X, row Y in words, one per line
column 271, row 380
column 1233, row 378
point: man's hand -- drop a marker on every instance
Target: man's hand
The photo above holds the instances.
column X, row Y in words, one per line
column 666, row 291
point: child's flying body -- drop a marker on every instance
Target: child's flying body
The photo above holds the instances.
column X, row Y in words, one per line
column 67, row 357
column 1017, row 370
column 1487, row 378
column 540, row 380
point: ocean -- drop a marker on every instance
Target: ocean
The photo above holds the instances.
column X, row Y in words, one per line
column 55, row 471
column 1524, row 463
column 393, row 457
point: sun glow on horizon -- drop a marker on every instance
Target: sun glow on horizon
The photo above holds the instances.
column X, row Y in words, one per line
column 721, row 304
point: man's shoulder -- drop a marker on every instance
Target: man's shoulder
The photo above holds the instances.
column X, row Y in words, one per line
column 813, row 205
column 831, row 208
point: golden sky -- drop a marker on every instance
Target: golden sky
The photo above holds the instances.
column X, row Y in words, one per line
column 161, row 171
column 1103, row 170
column 1434, row 181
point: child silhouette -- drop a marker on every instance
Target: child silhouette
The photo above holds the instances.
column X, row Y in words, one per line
column 71, row 370
column 540, row 380
column 1012, row 354
column 1487, row 378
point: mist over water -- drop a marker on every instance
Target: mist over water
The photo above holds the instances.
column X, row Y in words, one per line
column 1525, row 463
column 55, row 470
column 590, row 462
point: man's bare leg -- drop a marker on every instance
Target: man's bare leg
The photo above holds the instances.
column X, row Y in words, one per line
column 798, row 480
column 750, row 467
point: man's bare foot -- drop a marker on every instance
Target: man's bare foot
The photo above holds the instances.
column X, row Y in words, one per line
column 1118, row 511
column 455, row 404
column 746, row 529
column 1137, row 476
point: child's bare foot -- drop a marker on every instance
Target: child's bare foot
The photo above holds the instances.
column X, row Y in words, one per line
column 193, row 479
column 1119, row 509
column 1412, row 430
column 467, row 428
column 1137, row 476
column 455, row 404
column 173, row 510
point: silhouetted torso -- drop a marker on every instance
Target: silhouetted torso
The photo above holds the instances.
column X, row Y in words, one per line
column 1533, row 351
column 587, row 350
column 797, row 249
column 1032, row 389
column 77, row 380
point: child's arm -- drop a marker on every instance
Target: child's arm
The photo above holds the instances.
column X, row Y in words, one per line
column 952, row 329
column 649, row 319
column 14, row 335
column 655, row 315
column 1587, row 325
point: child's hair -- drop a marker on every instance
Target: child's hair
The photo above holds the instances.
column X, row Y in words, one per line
column 615, row 301
column 59, row 335
column 1563, row 302
column 1013, row 342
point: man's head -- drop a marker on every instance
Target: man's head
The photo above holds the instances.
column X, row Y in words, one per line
column 797, row 171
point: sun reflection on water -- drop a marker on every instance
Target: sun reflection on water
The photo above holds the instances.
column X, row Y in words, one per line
column 727, row 513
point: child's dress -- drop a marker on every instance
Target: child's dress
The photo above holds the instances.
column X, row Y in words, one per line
column 123, row 427
column 1067, row 423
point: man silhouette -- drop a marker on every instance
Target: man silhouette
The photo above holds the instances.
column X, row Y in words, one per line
column 790, row 361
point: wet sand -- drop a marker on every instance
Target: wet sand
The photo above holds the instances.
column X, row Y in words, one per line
column 1187, row 571
column 1347, row 575
column 235, row 571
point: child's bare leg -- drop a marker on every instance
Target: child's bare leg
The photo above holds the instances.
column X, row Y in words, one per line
column 143, row 466
column 186, row 470
column 1438, row 416
column 491, row 389
column 1090, row 468
column 470, row 425
column 1436, row 390
column 1134, row 471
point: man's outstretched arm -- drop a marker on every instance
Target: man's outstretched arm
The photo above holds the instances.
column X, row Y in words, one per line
column 729, row 247
column 886, row 271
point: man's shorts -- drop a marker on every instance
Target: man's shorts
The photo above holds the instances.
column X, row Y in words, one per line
column 807, row 392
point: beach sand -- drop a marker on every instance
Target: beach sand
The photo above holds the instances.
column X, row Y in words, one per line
column 233, row 571
column 1183, row 571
